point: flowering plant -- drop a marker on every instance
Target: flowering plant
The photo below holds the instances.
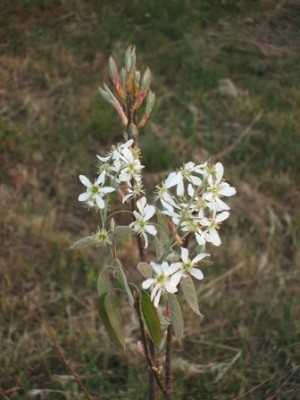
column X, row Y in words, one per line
column 186, row 219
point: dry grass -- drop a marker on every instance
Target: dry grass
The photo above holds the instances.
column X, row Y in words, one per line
column 217, row 66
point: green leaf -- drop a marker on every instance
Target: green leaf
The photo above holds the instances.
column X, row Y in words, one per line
column 123, row 230
column 163, row 227
column 83, row 243
column 151, row 317
column 205, row 263
column 103, row 282
column 159, row 250
column 176, row 315
column 189, row 292
column 123, row 281
column 111, row 317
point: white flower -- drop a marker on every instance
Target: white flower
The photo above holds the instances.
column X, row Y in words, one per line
column 163, row 193
column 131, row 168
column 212, row 226
column 141, row 224
column 218, row 188
column 193, row 225
column 93, row 196
column 187, row 266
column 136, row 191
column 166, row 279
column 186, row 173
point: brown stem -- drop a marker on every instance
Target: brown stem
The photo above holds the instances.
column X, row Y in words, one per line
column 71, row 370
column 152, row 367
column 153, row 378
column 168, row 364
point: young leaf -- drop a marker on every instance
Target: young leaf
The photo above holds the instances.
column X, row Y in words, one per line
column 145, row 269
column 189, row 292
column 83, row 243
column 151, row 318
column 103, row 282
column 159, row 250
column 111, row 317
column 123, row 281
column 163, row 227
column 176, row 315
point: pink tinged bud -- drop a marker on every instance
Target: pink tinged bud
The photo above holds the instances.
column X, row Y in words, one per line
column 139, row 100
column 123, row 77
column 140, row 348
column 168, row 312
column 146, row 80
column 114, row 75
column 172, row 228
column 136, row 83
column 149, row 106
column 130, row 58
column 120, row 193
column 121, row 112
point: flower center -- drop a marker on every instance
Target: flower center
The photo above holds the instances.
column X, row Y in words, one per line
column 161, row 278
column 95, row 189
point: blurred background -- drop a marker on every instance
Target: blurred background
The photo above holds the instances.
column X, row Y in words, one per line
column 226, row 77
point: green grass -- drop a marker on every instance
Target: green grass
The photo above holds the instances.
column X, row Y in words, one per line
column 53, row 123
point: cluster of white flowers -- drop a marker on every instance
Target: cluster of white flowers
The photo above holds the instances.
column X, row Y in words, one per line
column 121, row 166
column 191, row 197
column 196, row 206
column 168, row 276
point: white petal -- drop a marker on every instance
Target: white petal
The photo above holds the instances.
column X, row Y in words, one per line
column 191, row 190
column 100, row 202
column 85, row 181
column 197, row 273
column 200, row 239
column 170, row 287
column 199, row 257
column 104, row 159
column 107, row 189
column 101, row 178
column 195, row 180
column 145, row 239
column 213, row 237
column 173, row 179
column 157, row 298
column 219, row 171
column 170, row 269
column 184, row 254
column 228, row 191
column 83, row 196
column 149, row 211
column 154, row 291
column 141, row 204
column 175, row 279
column 147, row 283
column 180, row 187
column 222, row 216
column 151, row 229
column 156, row 267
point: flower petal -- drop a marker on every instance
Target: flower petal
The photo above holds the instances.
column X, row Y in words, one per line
column 100, row 202
column 184, row 254
column 197, row 273
column 85, row 181
column 147, row 283
column 83, row 196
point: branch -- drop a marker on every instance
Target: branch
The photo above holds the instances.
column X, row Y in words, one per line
column 152, row 366
column 168, row 364
column 71, row 370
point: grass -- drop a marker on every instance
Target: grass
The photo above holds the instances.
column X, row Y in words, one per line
column 53, row 58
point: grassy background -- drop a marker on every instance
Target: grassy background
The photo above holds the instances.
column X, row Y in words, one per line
column 226, row 76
